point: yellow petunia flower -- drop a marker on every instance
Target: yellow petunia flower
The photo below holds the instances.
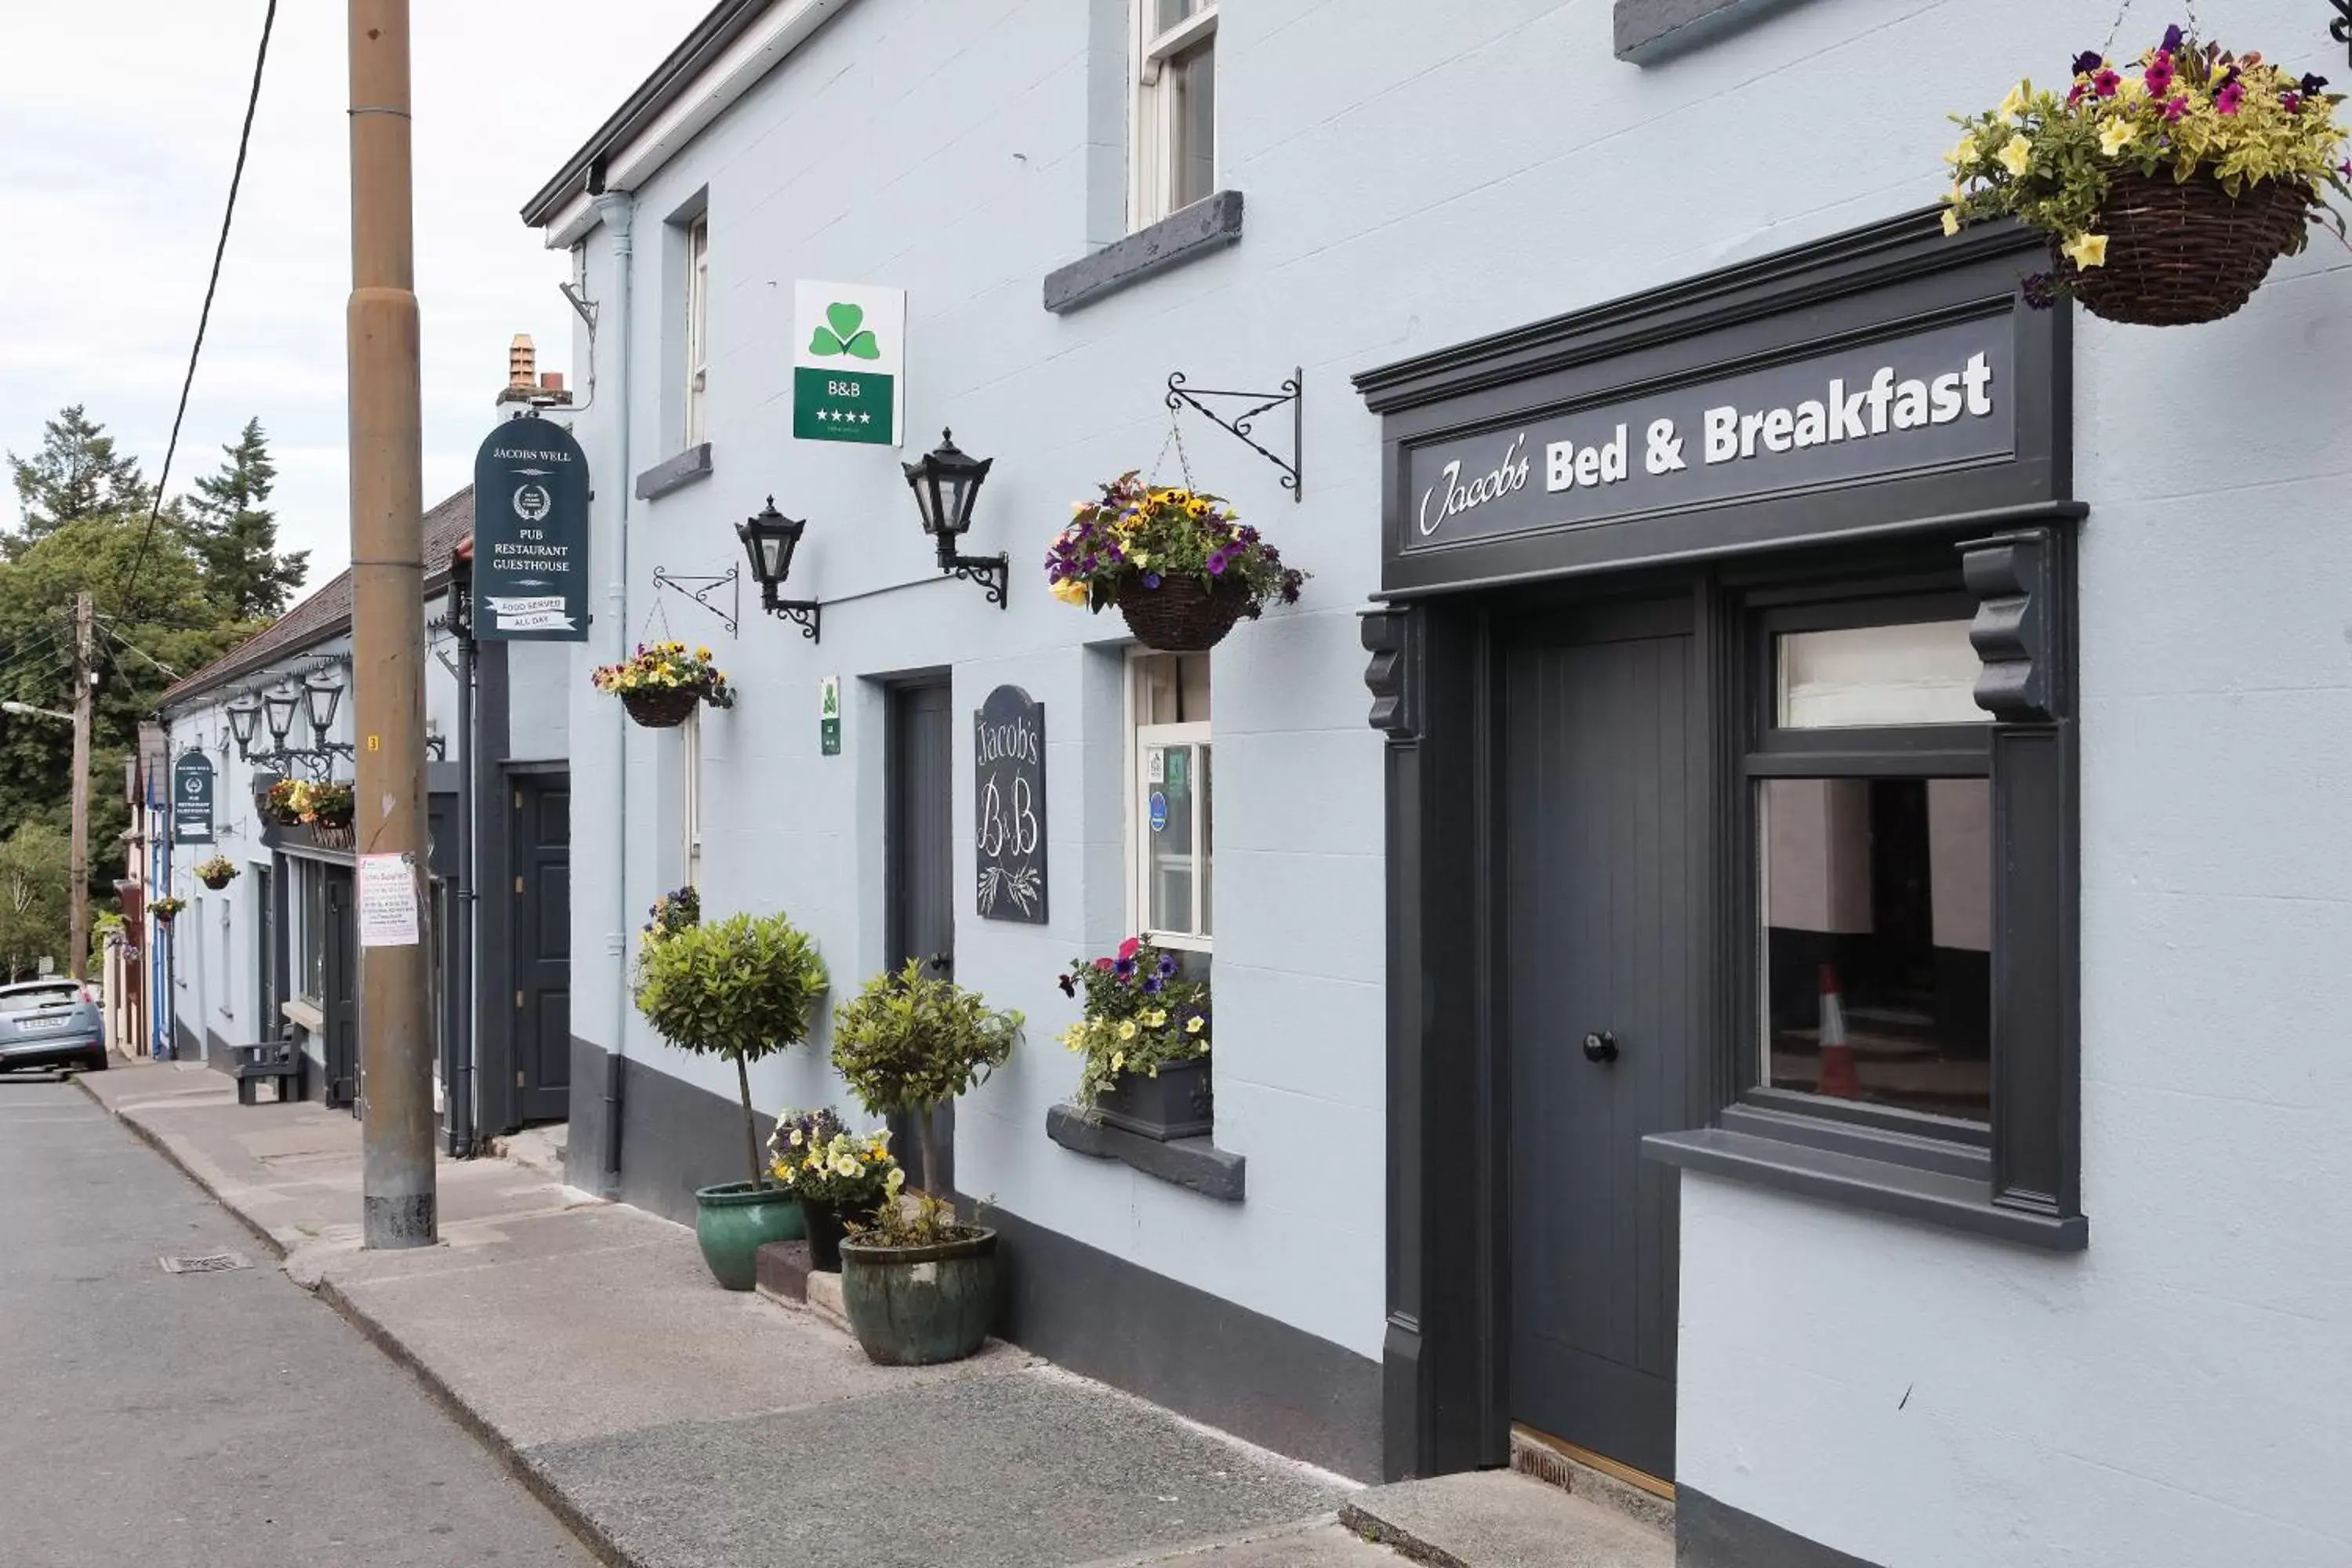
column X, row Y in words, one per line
column 1069, row 590
column 2118, row 135
column 1951, row 221
column 1117, row 1060
column 1156, row 1017
column 2013, row 106
column 1192, row 1026
column 2016, row 154
column 2087, row 250
column 1964, row 153
column 1126, row 1030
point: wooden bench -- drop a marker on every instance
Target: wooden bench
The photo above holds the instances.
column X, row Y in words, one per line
column 280, row 1058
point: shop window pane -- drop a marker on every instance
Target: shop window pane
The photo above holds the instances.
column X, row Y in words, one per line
column 1208, row 840
column 1169, row 823
column 1171, row 12
column 1923, row 673
column 1876, row 968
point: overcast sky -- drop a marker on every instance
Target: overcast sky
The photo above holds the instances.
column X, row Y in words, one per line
column 117, row 130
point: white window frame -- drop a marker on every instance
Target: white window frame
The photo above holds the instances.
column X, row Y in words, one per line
column 1140, row 739
column 697, row 330
column 1152, row 170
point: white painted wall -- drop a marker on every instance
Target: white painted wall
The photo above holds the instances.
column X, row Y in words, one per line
column 1417, row 175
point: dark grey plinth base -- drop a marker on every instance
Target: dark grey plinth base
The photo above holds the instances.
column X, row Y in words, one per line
column 1192, row 1163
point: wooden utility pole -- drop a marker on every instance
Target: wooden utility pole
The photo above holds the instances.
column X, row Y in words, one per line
column 399, row 1207
column 77, row 927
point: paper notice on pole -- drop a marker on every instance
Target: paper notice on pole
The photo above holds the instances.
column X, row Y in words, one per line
column 387, row 891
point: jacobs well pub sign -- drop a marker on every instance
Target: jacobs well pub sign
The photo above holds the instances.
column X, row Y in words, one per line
column 531, row 534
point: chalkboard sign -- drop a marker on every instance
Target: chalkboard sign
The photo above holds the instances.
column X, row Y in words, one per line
column 1009, row 757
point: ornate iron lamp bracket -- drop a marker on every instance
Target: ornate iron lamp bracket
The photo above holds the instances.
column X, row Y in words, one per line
column 993, row 573
column 1244, row 425
column 702, row 590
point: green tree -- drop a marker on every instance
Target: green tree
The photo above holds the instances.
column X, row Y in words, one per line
column 235, row 533
column 76, row 473
column 35, row 921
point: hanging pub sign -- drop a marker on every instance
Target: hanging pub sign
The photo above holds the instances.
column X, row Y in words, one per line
column 192, row 798
column 849, row 362
column 1933, row 399
column 1009, row 771
column 531, row 534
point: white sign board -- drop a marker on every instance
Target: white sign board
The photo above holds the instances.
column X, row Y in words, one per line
column 849, row 362
column 388, row 902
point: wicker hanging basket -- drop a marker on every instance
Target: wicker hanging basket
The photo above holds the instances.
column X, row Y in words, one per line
column 661, row 708
column 1182, row 614
column 2178, row 254
column 333, row 835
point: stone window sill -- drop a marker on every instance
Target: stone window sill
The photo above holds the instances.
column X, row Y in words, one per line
column 688, row 467
column 1649, row 30
column 1205, row 227
column 1193, row 1163
column 1936, row 1196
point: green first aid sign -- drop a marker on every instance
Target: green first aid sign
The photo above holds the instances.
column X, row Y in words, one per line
column 849, row 362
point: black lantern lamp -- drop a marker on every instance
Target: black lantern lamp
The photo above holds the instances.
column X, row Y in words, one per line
column 946, row 483
column 242, row 713
column 320, row 694
column 278, row 709
column 769, row 540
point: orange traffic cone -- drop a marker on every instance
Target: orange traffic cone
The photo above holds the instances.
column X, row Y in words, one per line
column 1837, row 1057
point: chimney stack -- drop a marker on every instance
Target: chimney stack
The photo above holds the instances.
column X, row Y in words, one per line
column 523, row 364
column 527, row 387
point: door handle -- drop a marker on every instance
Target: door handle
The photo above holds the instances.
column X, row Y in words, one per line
column 940, row 962
column 1601, row 1047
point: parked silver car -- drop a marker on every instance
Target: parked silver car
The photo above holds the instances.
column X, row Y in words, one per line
column 49, row 1024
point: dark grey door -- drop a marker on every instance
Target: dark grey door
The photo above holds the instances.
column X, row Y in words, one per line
column 920, row 859
column 268, row 1023
column 340, row 985
column 541, row 837
column 1601, row 886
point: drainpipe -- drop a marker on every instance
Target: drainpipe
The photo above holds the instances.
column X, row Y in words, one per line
column 457, row 1071
column 616, row 209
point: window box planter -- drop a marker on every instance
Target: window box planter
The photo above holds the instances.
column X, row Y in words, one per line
column 1174, row 1105
column 917, row 1306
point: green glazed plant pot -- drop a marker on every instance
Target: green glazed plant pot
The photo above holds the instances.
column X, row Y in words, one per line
column 914, row 1306
column 733, row 1223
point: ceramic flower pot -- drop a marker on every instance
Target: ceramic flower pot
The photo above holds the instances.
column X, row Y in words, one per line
column 733, row 1221
column 914, row 1306
column 826, row 1227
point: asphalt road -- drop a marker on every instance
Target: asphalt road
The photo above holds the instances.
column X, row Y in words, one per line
column 223, row 1420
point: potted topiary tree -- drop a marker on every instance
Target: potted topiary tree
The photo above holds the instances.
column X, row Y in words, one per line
column 918, row 1285
column 739, row 988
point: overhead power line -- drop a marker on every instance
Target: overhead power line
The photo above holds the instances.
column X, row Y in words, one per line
column 236, row 178
column 125, row 644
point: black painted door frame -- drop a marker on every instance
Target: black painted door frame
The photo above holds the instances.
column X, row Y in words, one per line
column 539, row 942
column 341, row 1004
column 920, row 862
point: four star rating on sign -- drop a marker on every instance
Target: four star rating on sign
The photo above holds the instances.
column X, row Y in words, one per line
column 844, row 417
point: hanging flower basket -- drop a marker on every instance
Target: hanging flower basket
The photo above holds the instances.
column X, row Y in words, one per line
column 661, row 709
column 217, row 872
column 2165, row 188
column 663, row 682
column 2183, row 253
column 1180, row 566
column 165, row 908
column 1183, row 614
column 333, row 835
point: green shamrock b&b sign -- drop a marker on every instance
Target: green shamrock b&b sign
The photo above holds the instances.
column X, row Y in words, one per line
column 849, row 360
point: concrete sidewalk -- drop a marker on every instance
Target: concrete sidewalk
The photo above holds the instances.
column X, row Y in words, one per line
column 676, row 1425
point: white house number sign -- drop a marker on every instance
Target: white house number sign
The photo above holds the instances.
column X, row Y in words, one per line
column 1009, row 771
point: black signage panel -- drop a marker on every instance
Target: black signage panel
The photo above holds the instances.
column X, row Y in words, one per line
column 1933, row 399
column 192, row 799
column 1009, row 758
column 531, row 534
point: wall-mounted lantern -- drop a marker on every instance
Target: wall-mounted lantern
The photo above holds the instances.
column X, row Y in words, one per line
column 242, row 714
column 278, row 711
column 946, row 483
column 321, row 693
column 769, row 540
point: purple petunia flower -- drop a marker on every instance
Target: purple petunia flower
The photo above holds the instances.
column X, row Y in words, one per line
column 2291, row 101
column 2172, row 36
column 1069, row 986
column 1152, row 579
column 2312, row 84
column 2159, row 76
column 1123, row 968
column 2106, row 83
column 2175, row 107
column 1166, row 963
column 2041, row 291
column 2086, row 62
column 1216, row 564
column 2227, row 101
column 1151, row 986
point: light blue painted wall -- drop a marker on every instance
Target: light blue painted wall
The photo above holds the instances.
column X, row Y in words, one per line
column 1416, row 175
